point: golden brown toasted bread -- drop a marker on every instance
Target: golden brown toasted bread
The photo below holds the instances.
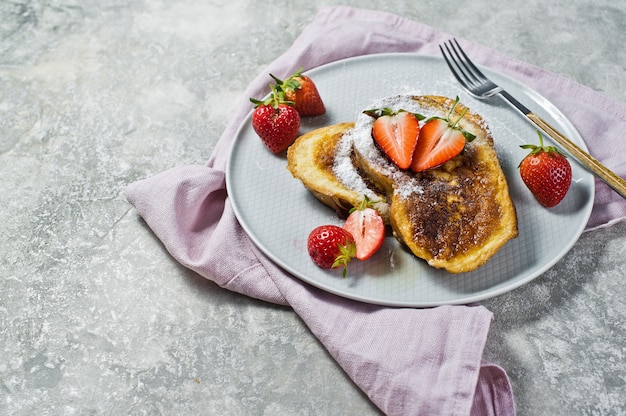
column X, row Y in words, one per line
column 455, row 216
column 314, row 157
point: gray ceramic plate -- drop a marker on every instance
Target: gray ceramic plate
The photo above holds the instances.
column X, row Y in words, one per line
column 278, row 213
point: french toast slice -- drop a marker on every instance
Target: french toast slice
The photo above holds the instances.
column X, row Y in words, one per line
column 455, row 216
column 314, row 158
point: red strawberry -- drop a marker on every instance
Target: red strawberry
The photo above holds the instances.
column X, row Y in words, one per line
column 276, row 122
column 331, row 246
column 302, row 91
column 546, row 172
column 368, row 229
column 439, row 141
column 396, row 134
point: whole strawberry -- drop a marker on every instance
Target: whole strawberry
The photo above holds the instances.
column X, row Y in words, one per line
column 302, row 92
column 546, row 172
column 331, row 246
column 276, row 122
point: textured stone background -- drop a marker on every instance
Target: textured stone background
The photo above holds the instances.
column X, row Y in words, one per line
column 96, row 318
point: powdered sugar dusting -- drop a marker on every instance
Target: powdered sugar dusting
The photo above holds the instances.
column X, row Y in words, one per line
column 408, row 189
column 345, row 170
column 361, row 138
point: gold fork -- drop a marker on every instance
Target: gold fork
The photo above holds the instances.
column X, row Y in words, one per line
column 481, row 87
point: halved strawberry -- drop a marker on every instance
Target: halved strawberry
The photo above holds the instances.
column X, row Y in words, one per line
column 439, row 140
column 368, row 229
column 396, row 134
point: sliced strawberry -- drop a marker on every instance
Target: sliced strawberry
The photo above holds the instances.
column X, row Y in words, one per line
column 368, row 229
column 439, row 141
column 396, row 134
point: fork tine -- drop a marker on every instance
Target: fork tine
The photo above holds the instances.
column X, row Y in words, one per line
column 464, row 70
column 467, row 62
column 472, row 81
column 460, row 69
column 452, row 64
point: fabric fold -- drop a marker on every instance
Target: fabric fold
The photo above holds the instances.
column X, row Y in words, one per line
column 187, row 208
column 407, row 361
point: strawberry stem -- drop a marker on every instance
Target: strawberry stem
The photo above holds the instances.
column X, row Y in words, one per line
column 453, row 125
column 275, row 98
column 468, row 136
column 456, row 102
column 291, row 83
column 534, row 149
column 365, row 203
column 386, row 111
column 347, row 253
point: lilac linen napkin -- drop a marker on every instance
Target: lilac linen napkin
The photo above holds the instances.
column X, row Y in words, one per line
column 408, row 361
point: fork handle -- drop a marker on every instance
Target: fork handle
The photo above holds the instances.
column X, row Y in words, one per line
column 609, row 177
